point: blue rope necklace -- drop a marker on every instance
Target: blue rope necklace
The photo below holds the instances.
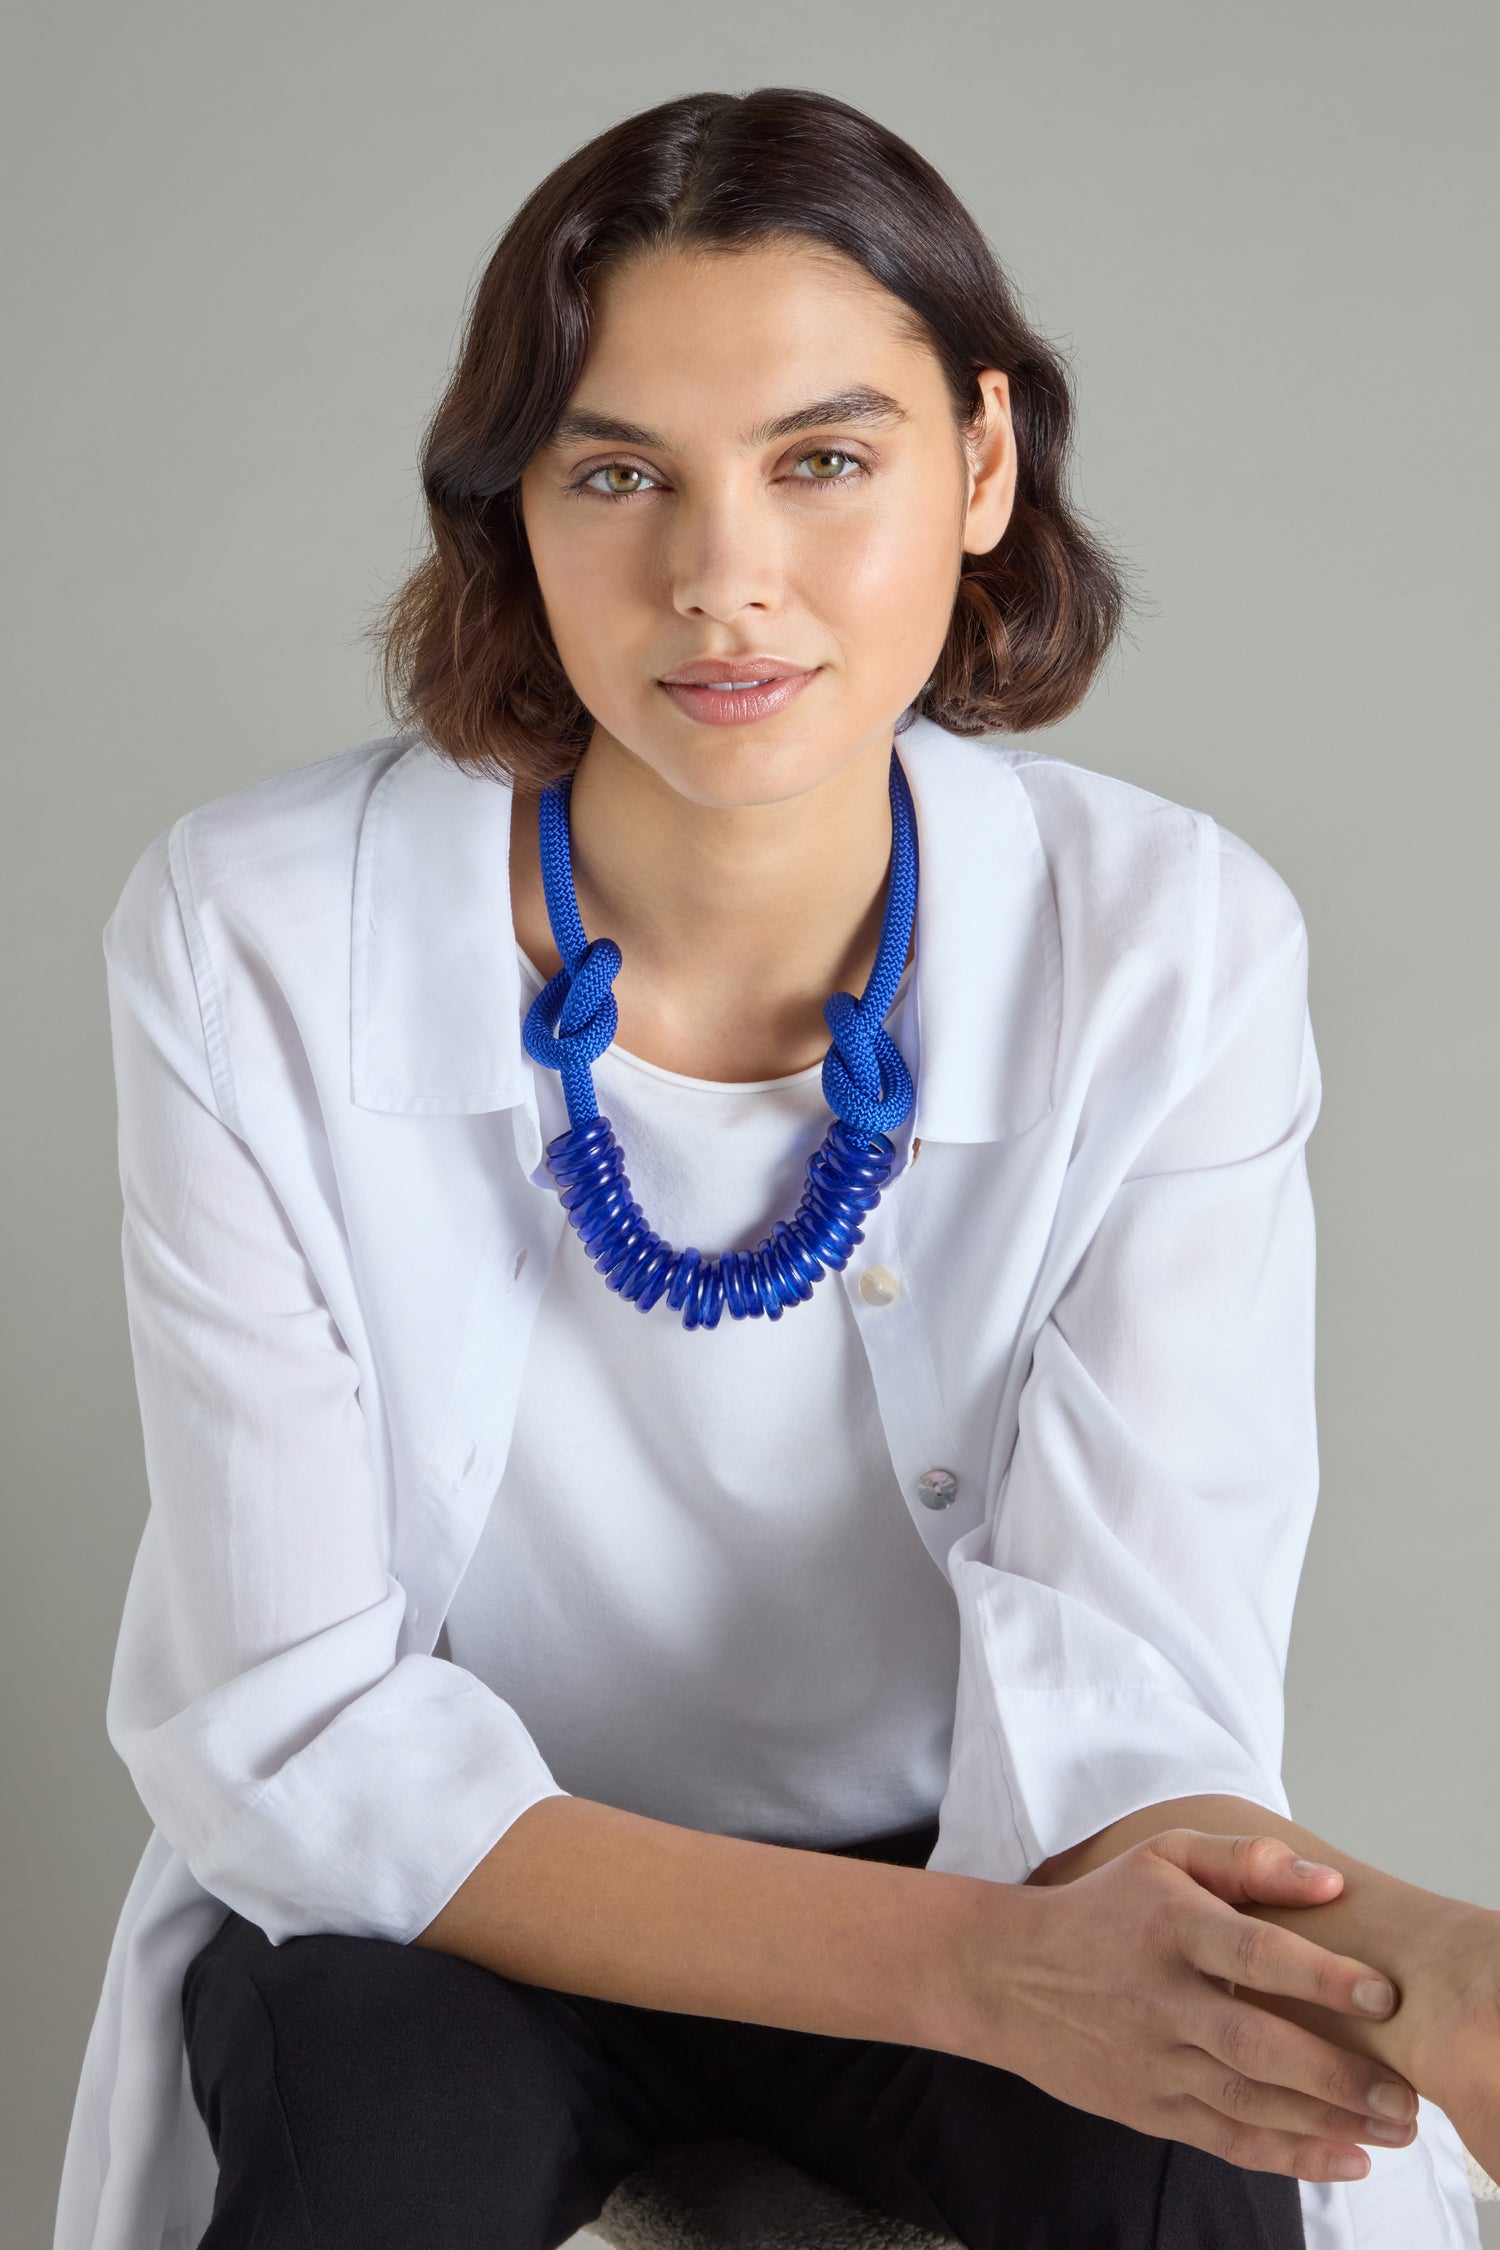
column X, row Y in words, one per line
column 865, row 1082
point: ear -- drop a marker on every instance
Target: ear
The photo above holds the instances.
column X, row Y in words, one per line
column 990, row 448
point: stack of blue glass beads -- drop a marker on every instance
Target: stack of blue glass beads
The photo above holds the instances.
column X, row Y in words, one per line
column 844, row 1179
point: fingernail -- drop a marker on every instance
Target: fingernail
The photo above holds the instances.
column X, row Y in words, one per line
column 1348, row 2167
column 1390, row 2099
column 1303, row 1868
column 1374, row 1996
column 1389, row 2136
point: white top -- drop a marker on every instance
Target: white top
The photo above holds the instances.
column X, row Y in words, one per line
column 337, row 1233
column 699, row 1583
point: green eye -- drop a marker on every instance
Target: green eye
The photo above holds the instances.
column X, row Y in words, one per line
column 830, row 453
column 618, row 469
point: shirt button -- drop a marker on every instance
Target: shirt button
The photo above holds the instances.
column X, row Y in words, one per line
column 937, row 1489
column 879, row 1286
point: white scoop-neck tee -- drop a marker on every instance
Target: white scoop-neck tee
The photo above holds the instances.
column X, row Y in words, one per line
column 699, row 1583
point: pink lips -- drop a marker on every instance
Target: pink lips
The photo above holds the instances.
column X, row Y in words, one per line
column 775, row 685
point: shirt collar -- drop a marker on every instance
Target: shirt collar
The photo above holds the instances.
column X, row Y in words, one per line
column 435, row 993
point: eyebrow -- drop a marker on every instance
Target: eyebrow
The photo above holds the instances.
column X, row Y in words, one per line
column 862, row 405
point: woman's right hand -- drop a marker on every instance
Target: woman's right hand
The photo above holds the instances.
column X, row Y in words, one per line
column 1116, row 1993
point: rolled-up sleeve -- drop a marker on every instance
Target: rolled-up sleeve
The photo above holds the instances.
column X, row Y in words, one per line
column 310, row 1775
column 1126, row 1610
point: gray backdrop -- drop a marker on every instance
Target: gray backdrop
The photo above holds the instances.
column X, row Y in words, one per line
column 239, row 244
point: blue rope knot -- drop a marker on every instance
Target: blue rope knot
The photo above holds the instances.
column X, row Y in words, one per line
column 863, row 1058
column 582, row 1001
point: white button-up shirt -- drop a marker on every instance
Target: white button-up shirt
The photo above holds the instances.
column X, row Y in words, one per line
column 1089, row 1305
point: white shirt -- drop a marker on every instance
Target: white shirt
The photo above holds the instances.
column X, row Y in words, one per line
column 338, row 1228
column 699, row 1580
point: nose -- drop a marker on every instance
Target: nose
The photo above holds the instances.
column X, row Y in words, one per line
column 725, row 554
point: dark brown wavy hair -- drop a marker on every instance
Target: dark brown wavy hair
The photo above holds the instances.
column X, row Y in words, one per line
column 466, row 655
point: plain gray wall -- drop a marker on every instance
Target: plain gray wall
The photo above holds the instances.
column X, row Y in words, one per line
column 239, row 246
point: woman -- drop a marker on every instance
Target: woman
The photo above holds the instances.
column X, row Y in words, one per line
column 630, row 1666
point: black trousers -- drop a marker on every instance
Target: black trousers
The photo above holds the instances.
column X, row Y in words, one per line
column 364, row 2095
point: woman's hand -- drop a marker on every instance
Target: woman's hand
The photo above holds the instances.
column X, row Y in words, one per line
column 1447, row 2029
column 1116, row 1992
column 1444, row 2038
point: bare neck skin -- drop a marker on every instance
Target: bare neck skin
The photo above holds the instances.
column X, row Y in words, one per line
column 735, row 922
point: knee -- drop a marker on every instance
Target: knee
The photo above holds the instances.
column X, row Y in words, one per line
column 328, row 1983
column 239, row 1978
column 356, row 2018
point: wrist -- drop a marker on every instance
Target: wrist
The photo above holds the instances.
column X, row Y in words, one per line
column 980, row 1935
column 1449, row 1955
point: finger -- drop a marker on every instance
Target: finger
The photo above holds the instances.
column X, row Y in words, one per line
column 1266, row 1958
column 1248, row 1869
column 1270, row 2051
column 1253, row 2101
column 1258, row 2148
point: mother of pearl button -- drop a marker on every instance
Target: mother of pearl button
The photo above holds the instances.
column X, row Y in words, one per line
column 879, row 1286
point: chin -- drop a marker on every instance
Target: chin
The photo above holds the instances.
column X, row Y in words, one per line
column 757, row 769
column 726, row 766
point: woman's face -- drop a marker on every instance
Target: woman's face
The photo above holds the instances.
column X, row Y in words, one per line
column 671, row 519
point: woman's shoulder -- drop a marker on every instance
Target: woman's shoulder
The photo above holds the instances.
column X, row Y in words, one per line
column 1130, row 866
column 297, row 819
column 244, row 894
column 275, row 852
column 1159, row 925
column 1120, row 858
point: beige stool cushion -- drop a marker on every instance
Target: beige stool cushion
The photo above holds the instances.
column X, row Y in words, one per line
column 731, row 2194
column 1485, row 2189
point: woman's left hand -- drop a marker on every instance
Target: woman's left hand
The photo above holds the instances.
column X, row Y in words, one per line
column 1444, row 2036
column 1447, row 2027
column 1442, row 1955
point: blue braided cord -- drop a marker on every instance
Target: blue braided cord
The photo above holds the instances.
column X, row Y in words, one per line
column 844, row 1176
column 580, row 995
column 863, row 1054
column 557, row 870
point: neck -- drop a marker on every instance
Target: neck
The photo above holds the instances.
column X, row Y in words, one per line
column 735, row 921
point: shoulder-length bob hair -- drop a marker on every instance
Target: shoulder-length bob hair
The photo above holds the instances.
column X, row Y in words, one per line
column 466, row 656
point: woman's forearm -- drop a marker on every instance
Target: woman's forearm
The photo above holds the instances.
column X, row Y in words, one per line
column 1399, row 1928
column 584, row 1897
